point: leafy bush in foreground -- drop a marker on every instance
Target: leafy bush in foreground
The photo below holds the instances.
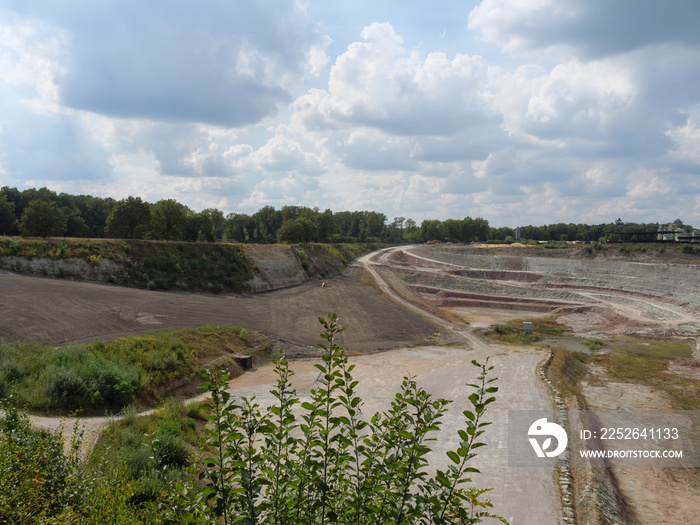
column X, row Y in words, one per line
column 320, row 461
column 35, row 476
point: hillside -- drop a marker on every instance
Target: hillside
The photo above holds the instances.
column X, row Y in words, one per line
column 178, row 266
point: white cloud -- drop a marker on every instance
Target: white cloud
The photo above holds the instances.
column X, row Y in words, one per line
column 230, row 63
column 31, row 59
column 587, row 28
column 379, row 83
column 687, row 142
column 582, row 98
column 580, row 123
column 648, row 186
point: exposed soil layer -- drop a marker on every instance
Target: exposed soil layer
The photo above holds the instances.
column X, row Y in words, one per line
column 595, row 297
column 653, row 494
column 598, row 296
column 57, row 312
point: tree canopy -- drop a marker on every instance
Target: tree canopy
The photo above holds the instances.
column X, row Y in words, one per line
column 133, row 218
column 43, row 219
column 130, row 219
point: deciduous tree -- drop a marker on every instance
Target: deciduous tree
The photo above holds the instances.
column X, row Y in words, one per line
column 42, row 219
column 7, row 216
column 130, row 219
column 168, row 220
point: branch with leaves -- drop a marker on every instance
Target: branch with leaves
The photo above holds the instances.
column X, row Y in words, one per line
column 320, row 461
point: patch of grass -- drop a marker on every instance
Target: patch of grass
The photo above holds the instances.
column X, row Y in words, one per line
column 566, row 370
column 593, row 344
column 130, row 370
column 684, row 392
column 688, row 249
column 547, row 326
column 156, row 450
column 197, row 411
column 510, row 334
column 655, row 348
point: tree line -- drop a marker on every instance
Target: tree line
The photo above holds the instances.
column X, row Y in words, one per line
column 44, row 213
column 617, row 231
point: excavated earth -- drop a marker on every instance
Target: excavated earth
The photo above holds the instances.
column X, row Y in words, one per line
column 595, row 297
column 599, row 296
column 424, row 297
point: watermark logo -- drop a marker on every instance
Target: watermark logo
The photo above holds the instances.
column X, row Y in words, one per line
column 542, row 427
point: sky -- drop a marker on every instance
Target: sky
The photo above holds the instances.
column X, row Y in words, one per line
column 517, row 111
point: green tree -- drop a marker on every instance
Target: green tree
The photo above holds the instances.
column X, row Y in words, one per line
column 168, row 220
column 75, row 225
column 211, row 225
column 297, row 230
column 268, row 221
column 430, row 230
column 239, row 227
column 480, row 229
column 324, row 225
column 130, row 218
column 42, row 219
column 92, row 210
column 411, row 231
column 8, row 221
column 14, row 196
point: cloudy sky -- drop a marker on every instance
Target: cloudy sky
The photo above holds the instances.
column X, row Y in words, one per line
column 518, row 111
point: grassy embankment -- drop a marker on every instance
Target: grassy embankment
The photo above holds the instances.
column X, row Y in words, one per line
column 161, row 265
column 137, row 458
column 141, row 370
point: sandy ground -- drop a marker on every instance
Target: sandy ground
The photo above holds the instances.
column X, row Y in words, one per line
column 656, row 495
column 444, row 372
column 58, row 312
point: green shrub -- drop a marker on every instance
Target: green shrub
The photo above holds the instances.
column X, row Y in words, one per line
column 594, row 344
column 326, row 463
column 159, row 283
column 65, row 387
column 566, row 370
column 510, row 334
column 170, row 450
column 37, row 481
column 688, row 249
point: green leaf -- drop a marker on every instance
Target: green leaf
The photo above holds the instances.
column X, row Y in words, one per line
column 453, row 456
